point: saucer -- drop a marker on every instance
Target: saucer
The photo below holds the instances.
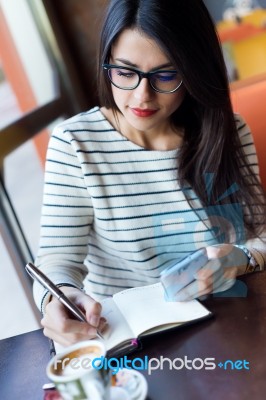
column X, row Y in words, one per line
column 129, row 385
column 118, row 393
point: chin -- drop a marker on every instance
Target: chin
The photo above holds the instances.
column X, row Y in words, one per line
column 142, row 125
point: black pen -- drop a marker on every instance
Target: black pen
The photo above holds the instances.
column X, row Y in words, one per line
column 38, row 275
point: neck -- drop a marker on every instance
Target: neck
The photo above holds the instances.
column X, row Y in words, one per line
column 161, row 138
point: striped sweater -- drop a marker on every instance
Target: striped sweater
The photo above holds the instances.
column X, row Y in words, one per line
column 113, row 214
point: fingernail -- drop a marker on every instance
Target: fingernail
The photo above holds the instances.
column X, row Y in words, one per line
column 94, row 320
column 102, row 324
column 103, row 328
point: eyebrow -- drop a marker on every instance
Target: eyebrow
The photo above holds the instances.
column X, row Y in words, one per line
column 126, row 62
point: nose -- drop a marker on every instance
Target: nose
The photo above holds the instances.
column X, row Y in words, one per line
column 143, row 92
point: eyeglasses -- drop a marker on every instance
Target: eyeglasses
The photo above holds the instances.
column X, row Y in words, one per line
column 129, row 78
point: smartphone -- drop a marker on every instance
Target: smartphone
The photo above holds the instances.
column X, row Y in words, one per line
column 182, row 273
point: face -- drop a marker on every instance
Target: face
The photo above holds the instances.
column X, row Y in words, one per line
column 143, row 109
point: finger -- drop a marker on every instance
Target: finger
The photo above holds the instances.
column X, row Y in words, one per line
column 212, row 278
column 223, row 285
column 225, row 280
column 220, row 275
column 191, row 291
column 212, row 273
column 56, row 310
column 70, row 338
column 67, row 326
column 93, row 311
column 219, row 251
column 230, row 273
column 57, row 319
column 203, row 297
column 229, row 255
column 102, row 324
column 58, row 314
column 218, row 282
column 212, row 268
column 64, row 327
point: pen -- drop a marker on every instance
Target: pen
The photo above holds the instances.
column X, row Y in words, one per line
column 38, row 275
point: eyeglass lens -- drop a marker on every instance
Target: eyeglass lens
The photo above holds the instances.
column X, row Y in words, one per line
column 127, row 79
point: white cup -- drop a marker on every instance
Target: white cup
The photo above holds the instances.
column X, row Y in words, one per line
column 74, row 376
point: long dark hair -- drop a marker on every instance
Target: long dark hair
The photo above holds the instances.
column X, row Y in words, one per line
column 211, row 160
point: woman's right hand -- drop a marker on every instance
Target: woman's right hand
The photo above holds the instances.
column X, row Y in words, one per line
column 62, row 328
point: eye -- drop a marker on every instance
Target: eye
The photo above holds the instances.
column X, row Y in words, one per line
column 125, row 73
column 165, row 76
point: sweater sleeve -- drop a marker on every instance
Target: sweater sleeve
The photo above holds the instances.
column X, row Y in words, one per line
column 256, row 246
column 67, row 216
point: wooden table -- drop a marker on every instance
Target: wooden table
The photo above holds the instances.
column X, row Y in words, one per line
column 237, row 332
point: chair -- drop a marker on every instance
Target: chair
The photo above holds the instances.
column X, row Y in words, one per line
column 256, row 18
column 249, row 99
column 239, row 32
column 250, row 55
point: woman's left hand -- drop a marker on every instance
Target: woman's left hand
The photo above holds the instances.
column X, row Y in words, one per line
column 225, row 263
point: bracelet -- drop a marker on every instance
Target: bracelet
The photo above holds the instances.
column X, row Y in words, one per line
column 67, row 284
column 252, row 264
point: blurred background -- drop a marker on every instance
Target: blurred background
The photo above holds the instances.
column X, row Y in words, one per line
column 47, row 73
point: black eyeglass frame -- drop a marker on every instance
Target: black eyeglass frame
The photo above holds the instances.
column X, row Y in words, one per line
column 141, row 75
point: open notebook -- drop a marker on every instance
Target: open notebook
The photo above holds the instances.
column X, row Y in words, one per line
column 142, row 311
column 134, row 313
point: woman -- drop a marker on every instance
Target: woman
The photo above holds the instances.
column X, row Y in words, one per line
column 161, row 169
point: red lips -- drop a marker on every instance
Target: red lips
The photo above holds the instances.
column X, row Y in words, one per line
column 139, row 112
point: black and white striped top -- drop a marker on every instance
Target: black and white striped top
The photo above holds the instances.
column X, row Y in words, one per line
column 114, row 209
